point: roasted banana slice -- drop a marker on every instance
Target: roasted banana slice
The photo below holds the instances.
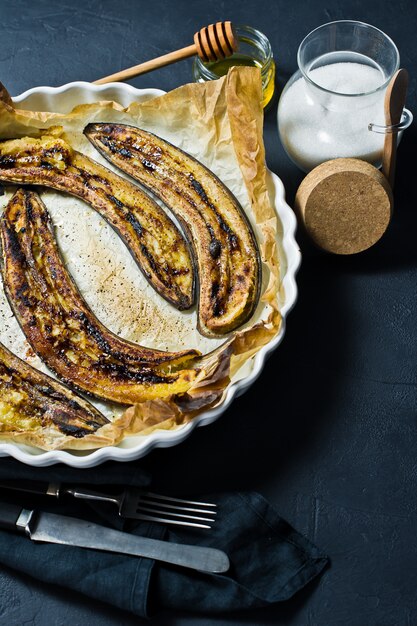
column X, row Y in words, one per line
column 152, row 238
column 62, row 329
column 227, row 255
column 31, row 401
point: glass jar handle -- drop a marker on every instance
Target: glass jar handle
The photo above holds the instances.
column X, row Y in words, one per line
column 406, row 120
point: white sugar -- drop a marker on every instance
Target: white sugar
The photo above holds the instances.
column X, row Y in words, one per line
column 316, row 125
column 347, row 77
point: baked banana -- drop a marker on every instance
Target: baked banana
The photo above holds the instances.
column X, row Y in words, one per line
column 31, row 402
column 60, row 326
column 152, row 238
column 227, row 257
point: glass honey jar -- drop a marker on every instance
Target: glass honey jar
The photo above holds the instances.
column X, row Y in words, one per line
column 254, row 50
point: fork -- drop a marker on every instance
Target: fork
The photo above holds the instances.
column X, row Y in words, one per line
column 132, row 503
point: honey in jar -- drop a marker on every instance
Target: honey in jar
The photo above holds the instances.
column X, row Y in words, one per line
column 254, row 50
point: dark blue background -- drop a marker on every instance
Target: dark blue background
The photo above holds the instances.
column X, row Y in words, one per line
column 328, row 432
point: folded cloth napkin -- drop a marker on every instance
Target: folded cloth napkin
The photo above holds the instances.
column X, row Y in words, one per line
column 270, row 561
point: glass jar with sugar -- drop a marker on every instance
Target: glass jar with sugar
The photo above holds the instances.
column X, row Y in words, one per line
column 333, row 106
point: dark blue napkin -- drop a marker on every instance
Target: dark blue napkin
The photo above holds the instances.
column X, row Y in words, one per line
column 270, row 561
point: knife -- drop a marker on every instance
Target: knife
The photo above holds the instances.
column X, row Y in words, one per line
column 52, row 528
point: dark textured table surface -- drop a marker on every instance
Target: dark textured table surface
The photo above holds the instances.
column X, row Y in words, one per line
column 328, row 432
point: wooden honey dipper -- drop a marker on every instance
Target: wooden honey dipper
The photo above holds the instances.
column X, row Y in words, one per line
column 211, row 43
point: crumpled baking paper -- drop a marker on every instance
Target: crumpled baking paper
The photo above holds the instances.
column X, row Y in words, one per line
column 218, row 122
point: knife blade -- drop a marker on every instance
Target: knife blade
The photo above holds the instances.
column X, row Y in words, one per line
column 44, row 527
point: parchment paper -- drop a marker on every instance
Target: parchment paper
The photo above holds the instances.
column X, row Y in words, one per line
column 219, row 123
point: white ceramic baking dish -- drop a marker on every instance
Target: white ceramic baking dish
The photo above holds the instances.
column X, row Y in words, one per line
column 63, row 99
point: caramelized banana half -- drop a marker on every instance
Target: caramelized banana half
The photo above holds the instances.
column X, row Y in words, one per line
column 33, row 401
column 227, row 257
column 60, row 326
column 152, row 238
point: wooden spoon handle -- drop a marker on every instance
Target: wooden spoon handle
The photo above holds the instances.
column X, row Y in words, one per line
column 148, row 66
column 389, row 157
column 394, row 104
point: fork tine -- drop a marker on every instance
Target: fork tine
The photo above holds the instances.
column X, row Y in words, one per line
column 161, row 511
column 138, row 504
column 161, row 497
column 175, row 507
column 152, row 518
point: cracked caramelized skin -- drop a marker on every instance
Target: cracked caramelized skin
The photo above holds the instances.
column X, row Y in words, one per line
column 62, row 329
column 227, row 256
column 31, row 401
column 152, row 238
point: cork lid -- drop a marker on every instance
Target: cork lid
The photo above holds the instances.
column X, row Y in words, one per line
column 345, row 205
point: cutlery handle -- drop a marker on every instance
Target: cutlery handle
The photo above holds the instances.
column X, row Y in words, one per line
column 36, row 487
column 43, row 488
column 83, row 493
column 9, row 514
